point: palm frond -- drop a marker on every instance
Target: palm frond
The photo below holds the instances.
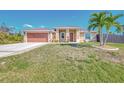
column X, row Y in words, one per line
column 92, row 26
column 117, row 16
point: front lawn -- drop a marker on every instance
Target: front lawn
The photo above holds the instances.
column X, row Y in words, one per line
column 64, row 63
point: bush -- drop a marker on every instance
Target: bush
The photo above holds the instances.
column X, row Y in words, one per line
column 84, row 45
column 6, row 38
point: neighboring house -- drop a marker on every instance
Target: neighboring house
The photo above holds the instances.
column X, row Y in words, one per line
column 59, row 34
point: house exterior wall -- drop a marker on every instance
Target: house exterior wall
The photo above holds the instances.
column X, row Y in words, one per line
column 78, row 36
column 82, row 36
column 93, row 36
column 57, row 35
column 50, row 37
column 25, row 36
column 67, row 35
column 53, row 37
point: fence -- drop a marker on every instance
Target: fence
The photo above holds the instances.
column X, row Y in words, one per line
column 113, row 38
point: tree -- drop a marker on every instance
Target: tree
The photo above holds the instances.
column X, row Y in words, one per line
column 111, row 21
column 107, row 20
column 97, row 20
column 12, row 29
column 4, row 28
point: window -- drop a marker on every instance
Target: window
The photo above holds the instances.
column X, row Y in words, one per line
column 87, row 36
column 54, row 29
column 62, row 35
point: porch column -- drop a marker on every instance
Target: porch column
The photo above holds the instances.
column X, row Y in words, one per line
column 57, row 34
column 78, row 35
column 67, row 35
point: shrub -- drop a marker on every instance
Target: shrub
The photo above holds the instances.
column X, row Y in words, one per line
column 6, row 38
column 84, row 45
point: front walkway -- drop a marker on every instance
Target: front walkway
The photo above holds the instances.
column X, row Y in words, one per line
column 64, row 43
column 13, row 49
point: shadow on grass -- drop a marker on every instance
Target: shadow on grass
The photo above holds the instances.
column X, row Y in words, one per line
column 78, row 45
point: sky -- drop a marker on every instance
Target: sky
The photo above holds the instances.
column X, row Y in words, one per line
column 21, row 19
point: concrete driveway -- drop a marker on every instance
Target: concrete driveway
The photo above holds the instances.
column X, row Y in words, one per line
column 13, row 49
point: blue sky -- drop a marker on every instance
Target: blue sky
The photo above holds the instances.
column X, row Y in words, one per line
column 48, row 18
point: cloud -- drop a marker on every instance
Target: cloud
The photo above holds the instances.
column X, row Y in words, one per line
column 27, row 26
column 42, row 26
column 11, row 26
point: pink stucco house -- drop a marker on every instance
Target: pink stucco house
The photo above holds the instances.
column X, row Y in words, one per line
column 58, row 34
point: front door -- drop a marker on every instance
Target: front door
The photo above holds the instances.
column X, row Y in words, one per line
column 71, row 37
column 62, row 36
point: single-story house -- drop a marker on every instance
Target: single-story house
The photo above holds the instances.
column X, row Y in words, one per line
column 59, row 34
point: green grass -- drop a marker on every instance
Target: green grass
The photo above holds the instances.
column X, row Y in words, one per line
column 64, row 63
column 117, row 45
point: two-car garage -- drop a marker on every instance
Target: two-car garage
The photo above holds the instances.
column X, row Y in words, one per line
column 37, row 35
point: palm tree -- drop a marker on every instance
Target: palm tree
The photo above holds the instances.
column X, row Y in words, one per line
column 97, row 20
column 4, row 28
column 111, row 21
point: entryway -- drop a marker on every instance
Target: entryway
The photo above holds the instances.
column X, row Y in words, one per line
column 62, row 36
column 71, row 37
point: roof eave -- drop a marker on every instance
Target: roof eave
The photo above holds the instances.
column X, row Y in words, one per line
column 38, row 30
